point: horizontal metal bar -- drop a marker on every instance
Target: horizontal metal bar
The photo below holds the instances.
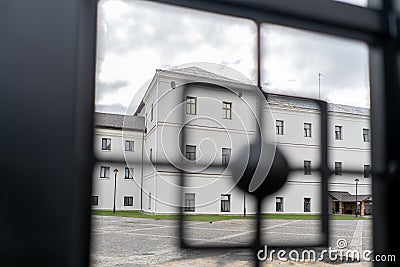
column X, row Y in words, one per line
column 330, row 17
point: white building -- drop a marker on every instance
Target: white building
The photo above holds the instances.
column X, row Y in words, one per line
column 219, row 118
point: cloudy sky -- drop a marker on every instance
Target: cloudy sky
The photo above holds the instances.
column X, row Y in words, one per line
column 137, row 37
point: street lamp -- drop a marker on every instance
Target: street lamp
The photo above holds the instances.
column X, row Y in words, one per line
column 115, row 187
column 356, row 180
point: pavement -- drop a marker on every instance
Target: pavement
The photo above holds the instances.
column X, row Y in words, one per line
column 123, row 241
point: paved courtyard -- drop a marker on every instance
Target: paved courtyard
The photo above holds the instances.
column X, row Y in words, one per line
column 122, row 241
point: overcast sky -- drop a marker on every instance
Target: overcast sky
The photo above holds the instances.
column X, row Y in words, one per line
column 137, row 37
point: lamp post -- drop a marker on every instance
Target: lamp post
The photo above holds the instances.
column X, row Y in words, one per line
column 115, row 187
column 356, row 180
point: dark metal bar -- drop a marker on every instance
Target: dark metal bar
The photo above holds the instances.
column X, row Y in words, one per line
column 328, row 17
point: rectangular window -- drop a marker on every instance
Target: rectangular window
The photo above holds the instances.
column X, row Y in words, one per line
column 367, row 171
column 151, row 112
column 279, row 204
column 191, row 105
column 128, row 173
column 338, row 132
column 307, row 129
column 227, row 108
column 189, row 202
column 95, row 200
column 279, row 127
column 128, row 201
column 190, row 152
column 106, row 144
column 225, row 202
column 338, row 168
column 226, row 156
column 129, row 145
column 104, row 172
column 307, row 167
column 366, row 136
column 307, row 204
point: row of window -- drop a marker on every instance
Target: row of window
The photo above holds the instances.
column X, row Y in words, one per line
column 279, row 130
column 338, row 169
column 128, row 200
column 191, row 107
column 105, row 172
column 106, row 144
column 190, row 203
column 190, row 154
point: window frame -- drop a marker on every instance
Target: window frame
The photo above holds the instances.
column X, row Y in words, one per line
column 307, row 205
column 93, row 202
column 307, row 132
column 192, row 155
column 130, row 173
column 190, row 208
column 128, row 201
column 338, row 132
column 131, row 145
column 367, row 171
column 105, row 168
column 225, row 157
column 105, row 146
column 307, row 167
column 227, row 109
column 279, row 204
column 366, row 135
column 191, row 105
column 279, row 129
column 225, row 203
column 338, row 168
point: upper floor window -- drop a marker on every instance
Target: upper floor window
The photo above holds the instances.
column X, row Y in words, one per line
column 279, row 127
column 338, row 132
column 366, row 136
column 367, row 171
column 106, row 144
column 307, row 167
column 128, row 173
column 307, row 129
column 190, row 152
column 227, row 108
column 129, row 145
column 226, row 156
column 338, row 168
column 104, row 172
column 191, row 105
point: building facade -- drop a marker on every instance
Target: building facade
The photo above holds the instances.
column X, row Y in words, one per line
column 203, row 123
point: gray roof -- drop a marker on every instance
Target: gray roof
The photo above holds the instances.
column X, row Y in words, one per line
column 202, row 73
column 109, row 120
column 347, row 197
column 273, row 99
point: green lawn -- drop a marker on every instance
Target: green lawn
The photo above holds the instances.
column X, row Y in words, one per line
column 138, row 214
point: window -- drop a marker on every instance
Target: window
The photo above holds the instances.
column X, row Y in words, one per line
column 307, row 129
column 279, row 204
column 307, row 167
column 191, row 103
column 191, row 152
column 128, row 201
column 226, row 156
column 338, row 168
column 189, row 202
column 128, row 173
column 227, row 108
column 366, row 136
column 151, row 112
column 367, row 171
column 95, row 200
column 279, row 127
column 338, row 133
column 129, row 145
column 307, row 204
column 149, row 206
column 151, row 155
column 104, row 172
column 225, row 202
column 106, row 144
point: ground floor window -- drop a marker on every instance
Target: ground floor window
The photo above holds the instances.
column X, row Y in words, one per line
column 225, row 202
column 95, row 200
column 307, row 204
column 279, row 204
column 190, row 201
column 128, row 201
